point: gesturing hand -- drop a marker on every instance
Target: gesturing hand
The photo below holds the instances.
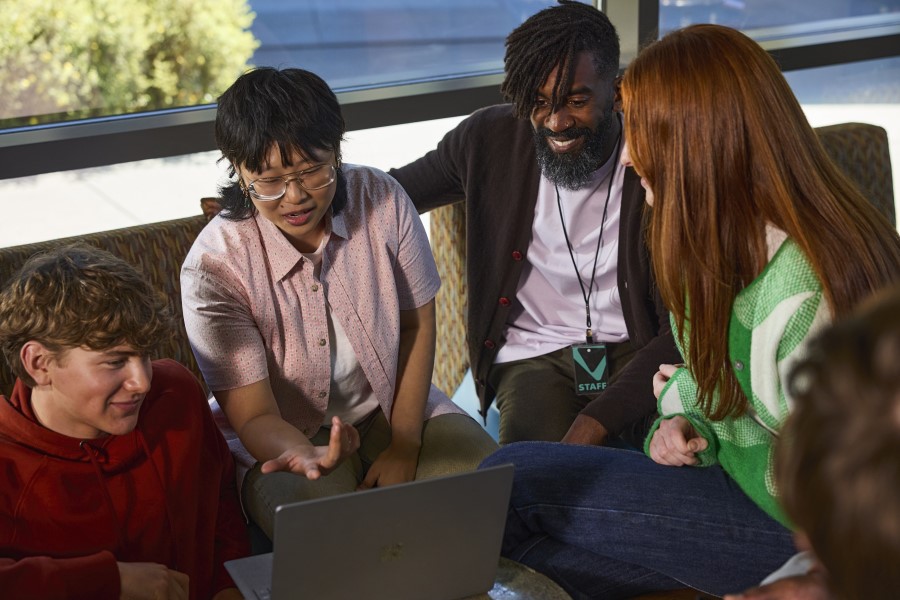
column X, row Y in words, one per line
column 314, row 461
column 151, row 581
column 676, row 443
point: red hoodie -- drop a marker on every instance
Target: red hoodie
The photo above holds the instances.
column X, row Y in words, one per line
column 165, row 493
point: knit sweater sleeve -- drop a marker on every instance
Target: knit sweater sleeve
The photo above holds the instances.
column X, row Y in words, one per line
column 92, row 577
column 679, row 398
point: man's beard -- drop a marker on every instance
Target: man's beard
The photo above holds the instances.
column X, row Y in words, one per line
column 571, row 170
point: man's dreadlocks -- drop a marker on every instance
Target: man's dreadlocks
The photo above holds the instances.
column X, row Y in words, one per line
column 556, row 36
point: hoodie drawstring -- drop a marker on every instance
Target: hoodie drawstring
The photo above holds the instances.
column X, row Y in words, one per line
column 162, row 487
column 91, row 452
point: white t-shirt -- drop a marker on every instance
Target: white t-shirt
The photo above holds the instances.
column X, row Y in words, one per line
column 350, row 397
column 548, row 310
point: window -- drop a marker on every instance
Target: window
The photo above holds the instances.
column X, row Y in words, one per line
column 393, row 62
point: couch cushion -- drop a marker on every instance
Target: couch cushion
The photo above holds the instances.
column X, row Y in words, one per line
column 157, row 250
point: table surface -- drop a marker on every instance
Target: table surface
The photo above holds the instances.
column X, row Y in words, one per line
column 517, row 582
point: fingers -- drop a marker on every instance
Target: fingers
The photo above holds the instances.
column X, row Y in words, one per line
column 180, row 584
column 666, row 371
column 293, row 461
column 663, row 453
column 371, row 479
column 669, row 370
column 675, row 443
column 152, row 581
column 659, row 383
column 697, row 444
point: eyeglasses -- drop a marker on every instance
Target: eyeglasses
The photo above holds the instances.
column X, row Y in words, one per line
column 268, row 189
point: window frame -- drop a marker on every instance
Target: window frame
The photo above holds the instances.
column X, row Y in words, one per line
column 39, row 149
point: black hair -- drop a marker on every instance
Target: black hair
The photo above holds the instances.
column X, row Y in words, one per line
column 291, row 108
column 555, row 37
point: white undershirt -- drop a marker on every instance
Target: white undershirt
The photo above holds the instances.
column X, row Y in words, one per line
column 548, row 310
column 350, row 397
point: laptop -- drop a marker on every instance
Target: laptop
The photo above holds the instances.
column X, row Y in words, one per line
column 434, row 539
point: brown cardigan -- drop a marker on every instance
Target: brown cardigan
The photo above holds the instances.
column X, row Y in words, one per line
column 474, row 162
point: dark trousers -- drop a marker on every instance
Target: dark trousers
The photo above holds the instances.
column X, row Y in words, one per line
column 536, row 396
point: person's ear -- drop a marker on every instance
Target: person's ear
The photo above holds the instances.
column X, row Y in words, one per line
column 617, row 98
column 36, row 359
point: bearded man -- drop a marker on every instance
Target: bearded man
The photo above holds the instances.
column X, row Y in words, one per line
column 564, row 325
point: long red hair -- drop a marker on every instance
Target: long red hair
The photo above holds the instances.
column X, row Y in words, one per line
column 714, row 128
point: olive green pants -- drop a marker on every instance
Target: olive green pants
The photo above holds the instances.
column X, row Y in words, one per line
column 451, row 443
column 536, row 396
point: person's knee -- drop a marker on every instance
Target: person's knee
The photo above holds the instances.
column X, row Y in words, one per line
column 452, row 443
column 517, row 453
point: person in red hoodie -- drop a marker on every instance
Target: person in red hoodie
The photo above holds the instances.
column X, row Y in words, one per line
column 114, row 480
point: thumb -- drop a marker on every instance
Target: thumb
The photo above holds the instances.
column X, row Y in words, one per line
column 697, row 444
column 276, row 464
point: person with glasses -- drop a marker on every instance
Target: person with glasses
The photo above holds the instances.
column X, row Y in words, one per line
column 309, row 304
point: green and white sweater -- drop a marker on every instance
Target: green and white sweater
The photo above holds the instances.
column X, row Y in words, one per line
column 771, row 321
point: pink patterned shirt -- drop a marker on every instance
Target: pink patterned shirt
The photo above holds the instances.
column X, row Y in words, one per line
column 254, row 308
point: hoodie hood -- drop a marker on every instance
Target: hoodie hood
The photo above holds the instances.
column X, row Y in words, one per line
column 20, row 426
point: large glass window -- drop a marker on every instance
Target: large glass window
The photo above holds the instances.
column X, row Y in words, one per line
column 761, row 14
column 73, row 59
column 51, row 82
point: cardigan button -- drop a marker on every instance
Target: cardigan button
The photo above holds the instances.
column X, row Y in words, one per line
column 489, row 344
column 322, row 341
column 315, row 287
column 504, row 301
column 738, row 365
column 516, row 255
column 322, row 394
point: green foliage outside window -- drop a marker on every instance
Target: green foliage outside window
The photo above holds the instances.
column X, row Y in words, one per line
column 74, row 58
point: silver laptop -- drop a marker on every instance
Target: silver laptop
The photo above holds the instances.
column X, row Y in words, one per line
column 435, row 539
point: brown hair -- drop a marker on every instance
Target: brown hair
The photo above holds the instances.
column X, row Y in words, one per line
column 79, row 296
column 714, row 128
column 838, row 464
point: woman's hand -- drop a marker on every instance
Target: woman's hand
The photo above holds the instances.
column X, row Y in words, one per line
column 396, row 464
column 662, row 378
column 314, row 461
column 676, row 443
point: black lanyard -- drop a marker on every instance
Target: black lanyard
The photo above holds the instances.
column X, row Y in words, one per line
column 589, row 334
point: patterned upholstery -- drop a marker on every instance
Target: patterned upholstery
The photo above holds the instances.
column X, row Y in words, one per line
column 448, row 241
column 860, row 150
column 157, row 250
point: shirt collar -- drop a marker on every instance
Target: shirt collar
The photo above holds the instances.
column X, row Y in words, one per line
column 282, row 255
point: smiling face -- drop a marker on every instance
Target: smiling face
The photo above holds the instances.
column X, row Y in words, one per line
column 87, row 394
column 299, row 213
column 576, row 139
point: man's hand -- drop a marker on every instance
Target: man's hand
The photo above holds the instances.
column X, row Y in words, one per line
column 586, row 431
column 315, row 461
column 151, row 581
column 396, row 464
column 800, row 587
column 676, row 443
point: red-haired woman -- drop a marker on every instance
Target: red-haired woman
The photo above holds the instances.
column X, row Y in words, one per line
column 757, row 242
